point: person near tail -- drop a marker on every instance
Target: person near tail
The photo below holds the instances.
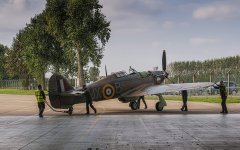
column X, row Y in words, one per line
column 40, row 96
column 88, row 101
column 223, row 94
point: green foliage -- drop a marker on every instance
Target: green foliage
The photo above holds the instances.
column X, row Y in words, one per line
column 201, row 70
column 81, row 28
column 63, row 38
column 3, row 50
column 93, row 73
column 34, row 50
column 15, row 61
column 18, row 92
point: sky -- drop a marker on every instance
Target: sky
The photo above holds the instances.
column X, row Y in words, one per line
column 142, row 29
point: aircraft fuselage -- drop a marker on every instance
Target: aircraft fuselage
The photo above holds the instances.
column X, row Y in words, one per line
column 120, row 84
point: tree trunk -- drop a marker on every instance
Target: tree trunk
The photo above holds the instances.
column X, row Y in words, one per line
column 81, row 80
column 43, row 81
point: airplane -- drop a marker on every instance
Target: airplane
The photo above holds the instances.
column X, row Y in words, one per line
column 122, row 86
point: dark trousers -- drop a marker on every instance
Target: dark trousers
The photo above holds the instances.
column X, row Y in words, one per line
column 184, row 107
column 144, row 102
column 89, row 103
column 41, row 107
column 224, row 106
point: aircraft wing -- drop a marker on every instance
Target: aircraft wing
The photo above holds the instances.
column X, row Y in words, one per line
column 158, row 89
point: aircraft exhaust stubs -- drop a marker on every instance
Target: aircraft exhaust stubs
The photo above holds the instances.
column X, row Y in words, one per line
column 108, row 91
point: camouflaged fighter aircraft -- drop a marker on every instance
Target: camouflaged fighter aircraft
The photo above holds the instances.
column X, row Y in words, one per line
column 125, row 87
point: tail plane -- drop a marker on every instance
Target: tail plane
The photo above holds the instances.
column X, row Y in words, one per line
column 57, row 86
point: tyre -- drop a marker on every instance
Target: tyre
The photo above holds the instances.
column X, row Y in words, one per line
column 70, row 110
column 158, row 106
column 133, row 105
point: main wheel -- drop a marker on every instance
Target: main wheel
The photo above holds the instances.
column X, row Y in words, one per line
column 133, row 105
column 158, row 106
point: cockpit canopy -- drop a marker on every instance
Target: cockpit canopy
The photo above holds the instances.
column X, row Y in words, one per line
column 120, row 74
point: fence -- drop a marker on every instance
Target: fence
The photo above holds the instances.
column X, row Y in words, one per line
column 19, row 84
column 13, row 84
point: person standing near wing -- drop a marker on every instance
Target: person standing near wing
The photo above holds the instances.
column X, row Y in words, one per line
column 184, row 99
column 139, row 101
column 223, row 94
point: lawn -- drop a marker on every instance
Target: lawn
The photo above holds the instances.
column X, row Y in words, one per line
column 211, row 99
column 18, row 91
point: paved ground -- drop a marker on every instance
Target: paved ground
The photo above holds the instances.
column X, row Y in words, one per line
column 19, row 105
column 117, row 127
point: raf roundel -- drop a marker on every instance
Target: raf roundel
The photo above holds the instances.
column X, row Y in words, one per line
column 108, row 91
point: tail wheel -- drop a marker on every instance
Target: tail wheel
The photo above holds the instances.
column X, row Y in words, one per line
column 133, row 105
column 70, row 110
column 159, row 106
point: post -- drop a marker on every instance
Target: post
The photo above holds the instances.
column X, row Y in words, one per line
column 178, row 79
column 194, row 76
column 229, row 81
column 210, row 81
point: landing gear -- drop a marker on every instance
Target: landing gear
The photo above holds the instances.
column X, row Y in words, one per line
column 70, row 110
column 133, row 105
column 160, row 105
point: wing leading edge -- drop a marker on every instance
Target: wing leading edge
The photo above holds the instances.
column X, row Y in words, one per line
column 158, row 89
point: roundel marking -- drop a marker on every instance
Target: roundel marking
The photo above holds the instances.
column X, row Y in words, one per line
column 108, row 91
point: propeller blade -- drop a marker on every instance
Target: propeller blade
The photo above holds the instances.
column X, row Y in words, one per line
column 164, row 61
column 106, row 70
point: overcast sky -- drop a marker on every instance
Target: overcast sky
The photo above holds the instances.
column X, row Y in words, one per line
column 141, row 29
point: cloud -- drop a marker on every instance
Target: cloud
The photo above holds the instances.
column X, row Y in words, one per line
column 14, row 14
column 132, row 15
column 172, row 24
column 216, row 12
column 202, row 41
column 18, row 12
column 143, row 7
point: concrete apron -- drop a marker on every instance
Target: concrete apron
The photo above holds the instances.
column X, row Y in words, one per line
column 182, row 131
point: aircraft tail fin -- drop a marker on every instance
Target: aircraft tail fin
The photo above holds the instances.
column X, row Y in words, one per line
column 57, row 85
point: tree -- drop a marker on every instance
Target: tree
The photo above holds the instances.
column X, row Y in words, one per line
column 3, row 50
column 34, row 50
column 81, row 28
column 93, row 73
column 15, row 66
column 216, row 68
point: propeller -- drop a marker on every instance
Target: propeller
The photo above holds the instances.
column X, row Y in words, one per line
column 164, row 65
column 164, row 61
column 106, row 70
